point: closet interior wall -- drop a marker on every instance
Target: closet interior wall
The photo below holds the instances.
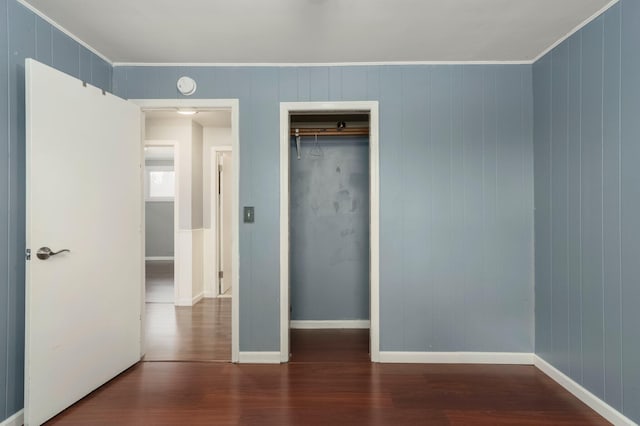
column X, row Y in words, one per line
column 329, row 218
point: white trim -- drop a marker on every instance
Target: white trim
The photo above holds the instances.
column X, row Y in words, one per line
column 235, row 225
column 197, row 298
column 16, row 420
column 374, row 246
column 324, row 324
column 64, row 30
column 209, row 104
column 190, row 301
column 314, row 64
column 575, row 30
column 518, row 358
column 284, row 234
column 214, row 220
column 259, row 358
column 153, row 258
column 597, row 404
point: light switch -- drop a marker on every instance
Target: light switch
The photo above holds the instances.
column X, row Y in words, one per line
column 248, row 215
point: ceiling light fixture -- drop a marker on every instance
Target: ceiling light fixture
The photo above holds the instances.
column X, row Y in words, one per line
column 187, row 112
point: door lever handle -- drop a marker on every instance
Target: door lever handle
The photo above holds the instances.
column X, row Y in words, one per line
column 45, row 252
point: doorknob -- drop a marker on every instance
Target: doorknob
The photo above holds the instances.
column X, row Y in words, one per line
column 45, row 252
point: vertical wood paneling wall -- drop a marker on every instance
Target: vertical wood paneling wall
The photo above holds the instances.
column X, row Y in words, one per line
column 24, row 35
column 456, row 169
column 456, row 177
column 587, row 198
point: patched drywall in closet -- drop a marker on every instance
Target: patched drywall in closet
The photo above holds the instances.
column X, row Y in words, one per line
column 329, row 224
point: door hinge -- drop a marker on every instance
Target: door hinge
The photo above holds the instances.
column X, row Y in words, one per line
column 220, row 274
column 220, row 168
column 27, row 254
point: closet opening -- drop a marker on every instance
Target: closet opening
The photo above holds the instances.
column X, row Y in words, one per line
column 330, row 187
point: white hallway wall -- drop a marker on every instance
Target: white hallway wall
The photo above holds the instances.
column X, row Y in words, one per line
column 189, row 238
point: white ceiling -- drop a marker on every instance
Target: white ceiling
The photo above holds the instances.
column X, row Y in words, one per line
column 318, row 31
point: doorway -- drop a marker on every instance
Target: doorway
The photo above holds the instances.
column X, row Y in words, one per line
column 201, row 326
column 221, row 217
column 365, row 260
column 160, row 206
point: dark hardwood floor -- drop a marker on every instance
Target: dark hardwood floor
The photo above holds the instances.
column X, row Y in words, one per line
column 329, row 345
column 329, row 381
column 201, row 332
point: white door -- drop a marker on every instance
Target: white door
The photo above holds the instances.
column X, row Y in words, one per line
column 225, row 221
column 83, row 307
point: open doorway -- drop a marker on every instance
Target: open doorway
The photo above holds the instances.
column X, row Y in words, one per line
column 329, row 223
column 329, row 236
column 159, row 208
column 192, row 323
column 221, row 217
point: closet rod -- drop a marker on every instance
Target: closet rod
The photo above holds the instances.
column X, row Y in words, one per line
column 324, row 131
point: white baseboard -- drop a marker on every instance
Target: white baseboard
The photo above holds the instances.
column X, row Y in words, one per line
column 152, row 258
column 16, row 420
column 522, row 358
column 197, row 298
column 597, row 404
column 214, row 295
column 259, row 358
column 313, row 324
column 189, row 302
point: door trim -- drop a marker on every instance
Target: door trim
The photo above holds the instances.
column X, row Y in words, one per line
column 234, row 106
column 374, row 187
column 215, row 220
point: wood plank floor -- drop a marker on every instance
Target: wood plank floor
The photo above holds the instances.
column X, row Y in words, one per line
column 159, row 287
column 318, row 388
column 201, row 332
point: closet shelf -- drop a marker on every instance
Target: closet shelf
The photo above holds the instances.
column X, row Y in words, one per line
column 323, row 131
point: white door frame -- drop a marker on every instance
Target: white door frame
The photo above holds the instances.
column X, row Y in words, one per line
column 215, row 220
column 374, row 187
column 234, row 106
column 176, row 208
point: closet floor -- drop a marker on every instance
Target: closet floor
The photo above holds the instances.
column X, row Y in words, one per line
column 343, row 345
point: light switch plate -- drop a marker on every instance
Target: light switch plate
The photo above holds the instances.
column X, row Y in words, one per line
column 249, row 216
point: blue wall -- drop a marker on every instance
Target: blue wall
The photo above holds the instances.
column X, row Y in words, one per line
column 329, row 229
column 456, row 175
column 23, row 35
column 456, row 190
column 587, row 198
